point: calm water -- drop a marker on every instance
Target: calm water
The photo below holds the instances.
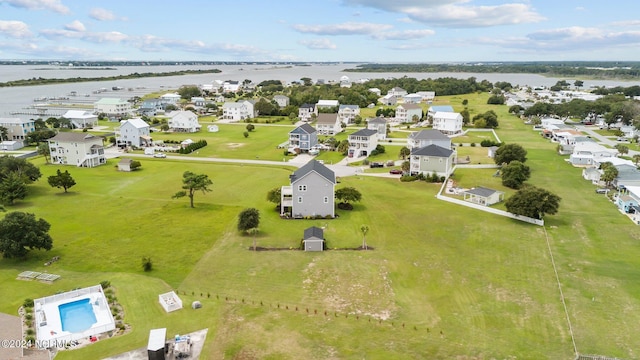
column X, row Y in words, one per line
column 19, row 98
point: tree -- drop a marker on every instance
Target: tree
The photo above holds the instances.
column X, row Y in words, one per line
column 514, row 174
column 248, row 222
column 509, row 152
column 636, row 159
column 147, row 264
column 187, row 92
column 622, row 149
column 26, row 170
column 191, row 183
column 4, row 133
column 61, row 180
column 135, row 165
column 275, row 196
column 38, row 136
column 533, row 202
column 43, row 149
column 250, row 127
column 13, row 187
column 343, row 147
column 20, row 233
column 404, row 152
column 346, row 196
column 405, row 166
column 609, row 172
column 364, row 229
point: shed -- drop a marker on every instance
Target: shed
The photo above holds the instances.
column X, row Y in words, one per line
column 11, row 145
column 170, row 301
column 213, row 128
column 313, row 239
column 491, row 151
column 124, row 165
column 156, row 345
column 483, row 196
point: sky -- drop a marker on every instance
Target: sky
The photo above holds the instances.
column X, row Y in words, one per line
column 396, row 31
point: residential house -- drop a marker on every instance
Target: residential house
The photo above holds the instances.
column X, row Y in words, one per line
column 17, row 129
column 327, row 104
column 628, row 175
column 313, row 239
column 592, row 174
column 170, row 99
column 305, row 112
column 378, row 124
column 237, row 111
column 397, row 92
column 629, row 131
column 424, row 138
column 588, row 152
column 432, row 159
column 198, row 101
column 345, row 82
column 78, row 149
column 348, row 113
column 427, row 96
column 81, row 119
column 304, row 137
column 311, row 192
column 449, row 123
column 362, row 143
column 133, row 132
column 376, row 91
column 150, row 107
column 328, row 124
column 281, row 100
column 112, row 107
column 408, row 113
column 547, row 123
column 483, row 196
column 183, row 121
column 629, row 203
column 412, row 98
column 438, row 108
column 231, row 86
column 11, row 145
column 388, row 100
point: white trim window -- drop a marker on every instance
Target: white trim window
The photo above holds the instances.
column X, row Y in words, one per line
column 299, row 199
column 326, row 199
column 302, row 187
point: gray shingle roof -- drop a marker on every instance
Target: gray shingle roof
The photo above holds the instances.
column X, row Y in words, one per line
column 73, row 137
column 432, row 150
column 327, row 118
column 365, row 132
column 429, row 135
column 481, row 191
column 378, row 120
column 313, row 232
column 303, row 129
column 314, row 165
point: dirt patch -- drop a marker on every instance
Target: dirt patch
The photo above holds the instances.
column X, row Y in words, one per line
column 234, row 145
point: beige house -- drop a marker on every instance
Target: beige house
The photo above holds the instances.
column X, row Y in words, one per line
column 406, row 113
column 112, row 107
column 79, row 149
column 483, row 196
column 328, row 124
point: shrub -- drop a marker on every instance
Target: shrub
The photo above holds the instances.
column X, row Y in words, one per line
column 28, row 303
column 30, row 331
column 408, row 178
column 30, row 339
column 105, row 284
column 473, row 144
column 193, row 147
column 489, row 143
column 29, row 323
column 28, row 316
column 147, row 264
column 245, row 134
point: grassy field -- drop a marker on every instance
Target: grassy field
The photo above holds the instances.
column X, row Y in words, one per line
column 443, row 281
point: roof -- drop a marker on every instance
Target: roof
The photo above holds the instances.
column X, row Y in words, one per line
column 446, row 115
column 364, row 132
column 74, row 137
column 482, row 191
column 303, row 129
column 377, row 120
column 429, row 135
column 432, row 150
column 136, row 122
column 110, row 101
column 329, row 119
column 308, row 106
column 231, row 104
column 328, row 103
column 410, row 106
column 319, row 168
column 280, row 97
column 313, row 232
column 157, row 338
column 14, row 121
column 79, row 114
column 125, row 161
column 445, row 108
column 355, row 107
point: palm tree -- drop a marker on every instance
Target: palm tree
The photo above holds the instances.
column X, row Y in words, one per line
column 364, row 229
column 636, row 158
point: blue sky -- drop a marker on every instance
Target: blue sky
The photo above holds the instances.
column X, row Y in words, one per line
column 320, row 30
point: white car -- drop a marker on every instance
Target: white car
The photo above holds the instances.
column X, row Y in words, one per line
column 159, row 155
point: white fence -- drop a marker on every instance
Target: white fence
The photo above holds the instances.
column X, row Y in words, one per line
column 491, row 210
column 67, row 295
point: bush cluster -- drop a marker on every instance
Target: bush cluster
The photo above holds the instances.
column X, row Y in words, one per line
column 193, row 147
column 489, row 143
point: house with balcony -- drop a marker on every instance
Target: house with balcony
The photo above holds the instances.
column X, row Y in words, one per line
column 133, row 133
column 388, row 100
column 449, row 123
column 306, row 112
column 328, row 124
column 412, row 98
column 311, row 192
column 438, row 108
column 397, row 92
column 112, row 107
column 408, row 113
column 81, row 119
column 198, row 101
column 281, row 100
column 432, row 159
column 378, row 124
column 17, row 130
column 348, row 113
column 150, row 107
column 424, row 138
column 231, row 86
column 362, row 143
column 237, row 111
column 302, row 138
column 183, row 121
column 77, row 149
column 170, row 99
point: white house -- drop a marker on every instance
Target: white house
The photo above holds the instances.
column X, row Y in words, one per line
column 78, row 149
column 438, row 108
column 231, row 86
column 406, row 113
column 133, row 132
column 376, row 91
column 412, row 98
column 236, row 111
column 348, row 113
column 305, row 112
column 388, row 100
column 170, row 98
column 328, row 124
column 424, row 138
column 449, row 123
column 311, row 192
column 112, row 107
column 362, row 143
column 183, row 121
column 397, row 91
column 81, row 118
column 281, row 100
column 327, row 104
column 589, row 152
column 427, row 96
column 378, row 124
column 17, row 129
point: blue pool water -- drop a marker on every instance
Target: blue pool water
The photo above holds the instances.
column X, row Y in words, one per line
column 77, row 316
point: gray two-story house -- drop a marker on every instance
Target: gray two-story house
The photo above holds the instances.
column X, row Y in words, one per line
column 304, row 137
column 423, row 138
column 311, row 193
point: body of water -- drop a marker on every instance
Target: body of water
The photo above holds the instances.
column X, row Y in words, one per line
column 20, row 98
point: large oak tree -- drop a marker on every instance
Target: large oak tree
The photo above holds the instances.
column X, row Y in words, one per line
column 21, row 232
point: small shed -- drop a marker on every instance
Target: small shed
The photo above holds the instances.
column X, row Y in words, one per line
column 156, row 345
column 124, row 165
column 491, row 152
column 483, row 196
column 11, row 145
column 170, row 301
column 213, row 128
column 186, row 143
column 313, row 239
column 196, row 305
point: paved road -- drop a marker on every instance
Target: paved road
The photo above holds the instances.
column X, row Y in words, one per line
column 603, row 139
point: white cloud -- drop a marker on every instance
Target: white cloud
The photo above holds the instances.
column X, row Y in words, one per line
column 75, row 26
column 53, row 5
column 348, row 28
column 403, row 35
column 16, row 29
column 101, row 14
column 93, row 37
column 317, row 44
column 626, row 23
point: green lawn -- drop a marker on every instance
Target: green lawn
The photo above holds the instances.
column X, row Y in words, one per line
column 443, row 281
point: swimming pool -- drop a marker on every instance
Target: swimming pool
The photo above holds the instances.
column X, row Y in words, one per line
column 77, row 316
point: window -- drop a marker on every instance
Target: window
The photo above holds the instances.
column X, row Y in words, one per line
column 299, row 199
column 326, row 199
column 302, row 188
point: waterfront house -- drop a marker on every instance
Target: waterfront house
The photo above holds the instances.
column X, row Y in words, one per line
column 133, row 132
column 328, row 124
column 77, row 149
column 112, row 107
column 183, row 121
column 81, row 119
